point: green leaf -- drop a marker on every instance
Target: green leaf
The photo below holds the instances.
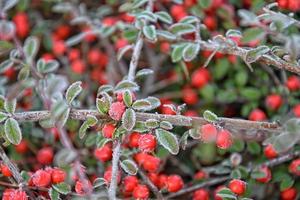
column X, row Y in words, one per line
column 46, row 66
column 164, row 17
column 62, row 188
column 252, row 34
column 286, row 183
column 147, row 15
column 31, row 46
column 226, row 193
column 181, row 28
column 204, row 3
column 129, row 167
column 47, row 123
column 190, row 51
column 253, row 147
column 140, row 127
column 101, row 141
column 122, row 51
column 6, row 64
column 193, row 133
column 168, row 140
column 126, row 85
column 127, row 98
column 3, row 116
column 144, row 72
column 233, row 33
column 257, row 174
column 24, row 73
column 141, row 105
column 189, row 20
column 104, row 88
column 138, row 3
column 98, row 182
column 235, row 174
column 152, row 123
column 53, row 194
column 91, row 121
column 250, row 93
column 254, row 54
column 129, row 119
column 210, row 116
column 165, row 35
column 166, row 125
column 10, row 105
column 12, row 131
column 150, row 32
column 177, row 52
column 102, row 105
column 183, row 140
column 73, row 91
column 155, row 102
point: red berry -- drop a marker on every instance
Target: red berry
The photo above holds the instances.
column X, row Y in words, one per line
column 80, row 186
column 59, row 48
column 267, row 177
column 147, row 142
column 274, row 101
column 210, row 22
column 294, row 167
column 201, row 194
column 237, row 186
column 154, row 178
column 73, row 54
column 296, row 110
column 141, row 192
column 134, row 139
column 140, row 157
column 78, row 66
column 116, row 110
column 22, row 147
column 41, row 178
column 257, row 115
column 45, row 156
column 130, row 182
column 189, row 96
column 293, row 83
column 58, row 175
column 270, row 152
column 108, row 130
column 174, row 183
column 162, row 181
column 216, row 191
column 151, row 163
column 224, row 140
column 200, row 175
column 289, row 194
column 208, row 133
column 5, row 171
column 108, row 173
column 120, row 43
column 11, row 194
column 200, row 78
column 22, row 24
column 104, row 153
column 283, row 4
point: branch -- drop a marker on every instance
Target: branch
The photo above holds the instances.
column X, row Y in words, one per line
column 14, row 170
column 153, row 188
column 115, row 162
